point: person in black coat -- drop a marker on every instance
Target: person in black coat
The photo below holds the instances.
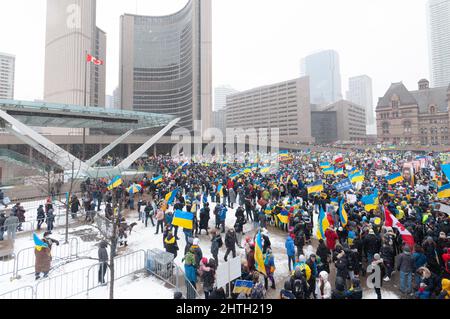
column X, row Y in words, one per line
column 204, row 218
column 230, row 243
column 341, row 265
column 324, row 253
column 339, row 291
column 40, row 216
column 387, row 254
column 103, row 260
column 170, row 244
column 372, row 245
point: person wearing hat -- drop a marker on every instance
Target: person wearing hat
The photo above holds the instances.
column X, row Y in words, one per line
column 372, row 245
column 43, row 256
column 406, row 267
column 377, row 263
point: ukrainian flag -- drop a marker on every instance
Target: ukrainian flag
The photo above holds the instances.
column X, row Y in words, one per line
column 444, row 191
column 339, row 171
column 335, row 202
column 220, row 189
column 259, row 257
column 343, row 217
column 115, row 182
column 325, row 165
column 265, row 169
column 38, row 243
column 323, row 224
column 315, row 187
column 446, row 170
column 283, row 216
column 183, row 219
column 371, row 201
column 243, row 286
column 357, row 177
column 394, row 178
column 284, row 153
column 233, row 176
column 328, row 171
column 247, row 170
column 391, row 193
column 158, row 179
column 170, row 197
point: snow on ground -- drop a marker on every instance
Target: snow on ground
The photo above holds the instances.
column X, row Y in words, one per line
column 133, row 287
column 385, row 294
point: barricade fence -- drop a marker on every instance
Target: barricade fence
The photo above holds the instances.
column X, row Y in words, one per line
column 7, row 264
column 26, row 292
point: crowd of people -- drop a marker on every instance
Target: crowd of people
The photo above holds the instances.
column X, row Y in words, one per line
column 335, row 240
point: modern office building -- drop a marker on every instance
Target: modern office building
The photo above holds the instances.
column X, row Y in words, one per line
column 324, row 127
column 360, row 92
column 439, row 41
column 7, row 70
column 351, row 121
column 283, row 105
column 220, row 96
column 116, row 98
column 166, row 64
column 323, row 69
column 220, row 120
column 71, row 34
column 414, row 117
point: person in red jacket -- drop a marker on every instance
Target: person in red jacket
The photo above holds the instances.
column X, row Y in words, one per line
column 446, row 260
column 331, row 237
column 230, row 184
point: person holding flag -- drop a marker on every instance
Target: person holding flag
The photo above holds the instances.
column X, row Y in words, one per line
column 43, row 254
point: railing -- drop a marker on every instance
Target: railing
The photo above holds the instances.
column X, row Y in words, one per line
column 26, row 292
column 20, row 159
column 7, row 264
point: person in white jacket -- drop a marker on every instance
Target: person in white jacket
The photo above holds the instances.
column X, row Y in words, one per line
column 323, row 287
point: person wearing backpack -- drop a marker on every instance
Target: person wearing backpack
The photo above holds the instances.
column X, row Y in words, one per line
column 216, row 244
column 299, row 284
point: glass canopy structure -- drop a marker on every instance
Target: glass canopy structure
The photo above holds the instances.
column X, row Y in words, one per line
column 18, row 118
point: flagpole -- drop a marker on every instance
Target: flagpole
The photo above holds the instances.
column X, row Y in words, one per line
column 85, row 104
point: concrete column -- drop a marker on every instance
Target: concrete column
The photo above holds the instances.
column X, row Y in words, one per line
column 154, row 150
column 30, row 153
column 129, row 150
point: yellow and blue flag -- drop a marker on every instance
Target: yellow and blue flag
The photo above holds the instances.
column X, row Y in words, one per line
column 170, row 197
column 38, row 243
column 444, row 191
column 115, row 182
column 370, row 201
column 265, row 169
column 446, row 170
column 259, row 256
column 315, row 187
column 325, row 165
column 243, row 286
column 158, row 179
column 284, row 153
column 334, row 202
column 328, row 171
column 183, row 219
column 323, row 224
column 394, row 178
column 339, row 171
column 283, row 216
column 343, row 217
column 357, row 177
column 220, row 189
column 233, row 176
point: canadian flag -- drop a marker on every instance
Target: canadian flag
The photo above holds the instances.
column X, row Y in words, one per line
column 338, row 159
column 391, row 221
column 94, row 60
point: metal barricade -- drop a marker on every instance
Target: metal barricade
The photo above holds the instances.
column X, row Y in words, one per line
column 7, row 265
column 161, row 265
column 26, row 292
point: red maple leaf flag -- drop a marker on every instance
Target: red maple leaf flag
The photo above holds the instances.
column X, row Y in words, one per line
column 391, row 221
column 94, row 60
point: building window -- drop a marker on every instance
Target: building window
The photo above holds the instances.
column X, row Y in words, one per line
column 395, row 104
column 407, row 127
column 385, row 128
column 432, row 109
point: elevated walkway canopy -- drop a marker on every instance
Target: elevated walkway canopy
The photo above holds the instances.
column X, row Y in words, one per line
column 41, row 114
column 20, row 116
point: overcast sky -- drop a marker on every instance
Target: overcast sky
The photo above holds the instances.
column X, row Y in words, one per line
column 255, row 42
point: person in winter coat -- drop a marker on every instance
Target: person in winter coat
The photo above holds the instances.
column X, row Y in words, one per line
column 258, row 291
column 204, row 219
column 420, row 260
column 429, row 247
column 191, row 274
column 269, row 264
column 10, row 225
column 230, row 243
column 290, row 251
column 251, row 258
column 406, row 267
column 287, row 293
column 312, row 263
column 355, row 291
column 103, row 260
column 50, row 220
column 341, row 265
column 218, row 293
column 324, row 253
column 74, row 206
column 2, row 223
column 222, row 217
column 170, row 244
column 429, row 279
column 331, row 237
column 207, row 274
column 44, row 257
column 216, row 244
column 239, row 225
column 197, row 251
column 323, row 288
column 371, row 245
column 40, row 216
column 339, row 291
column 160, row 217
column 231, row 198
column 387, row 254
